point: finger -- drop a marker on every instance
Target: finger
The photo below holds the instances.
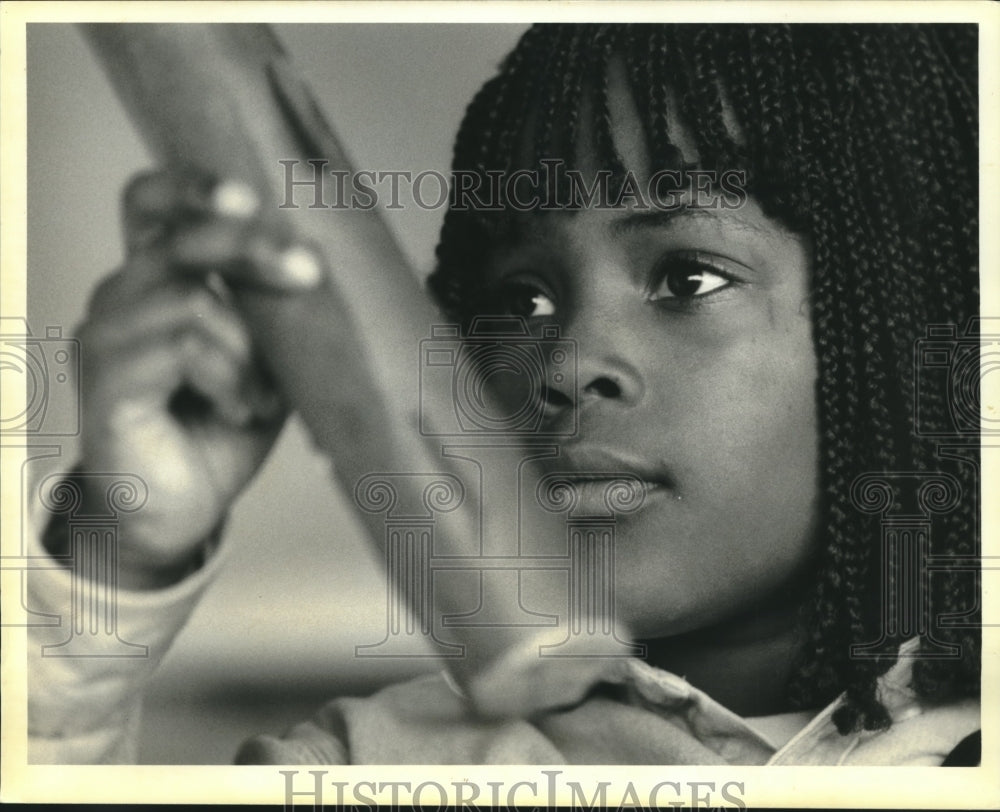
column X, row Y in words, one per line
column 155, row 202
column 267, row 405
column 235, row 392
column 247, row 256
column 210, row 372
column 143, row 273
column 165, row 319
column 116, row 319
column 155, row 370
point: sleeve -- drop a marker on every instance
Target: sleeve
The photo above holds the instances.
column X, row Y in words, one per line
column 321, row 740
column 87, row 669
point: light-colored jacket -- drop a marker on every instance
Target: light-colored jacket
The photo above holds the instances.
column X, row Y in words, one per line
column 87, row 710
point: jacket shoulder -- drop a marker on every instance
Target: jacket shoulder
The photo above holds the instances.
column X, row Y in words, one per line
column 420, row 721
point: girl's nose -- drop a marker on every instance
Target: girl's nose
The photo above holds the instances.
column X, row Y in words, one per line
column 603, row 386
column 607, row 376
column 605, row 379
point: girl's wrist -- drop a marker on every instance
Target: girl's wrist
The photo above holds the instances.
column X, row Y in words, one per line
column 135, row 569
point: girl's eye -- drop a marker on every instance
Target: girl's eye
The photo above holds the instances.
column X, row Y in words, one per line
column 525, row 300
column 687, row 277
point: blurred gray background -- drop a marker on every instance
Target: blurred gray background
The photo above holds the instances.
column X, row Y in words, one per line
column 275, row 636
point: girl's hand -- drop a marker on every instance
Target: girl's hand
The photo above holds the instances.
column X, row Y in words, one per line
column 172, row 390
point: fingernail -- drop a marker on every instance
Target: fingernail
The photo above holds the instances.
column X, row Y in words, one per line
column 233, row 198
column 300, row 267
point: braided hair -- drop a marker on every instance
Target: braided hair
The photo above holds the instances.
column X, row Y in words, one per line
column 864, row 139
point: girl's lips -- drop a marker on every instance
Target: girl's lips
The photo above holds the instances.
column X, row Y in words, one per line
column 594, row 462
column 604, row 483
column 604, row 495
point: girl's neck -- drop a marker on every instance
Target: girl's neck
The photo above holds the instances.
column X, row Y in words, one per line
column 744, row 664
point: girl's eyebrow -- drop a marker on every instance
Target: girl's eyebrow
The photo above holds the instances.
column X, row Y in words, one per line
column 657, row 218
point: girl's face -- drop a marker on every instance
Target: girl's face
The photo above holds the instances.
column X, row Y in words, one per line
column 696, row 371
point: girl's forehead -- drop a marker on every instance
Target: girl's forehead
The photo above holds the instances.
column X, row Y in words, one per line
column 628, row 126
column 627, row 130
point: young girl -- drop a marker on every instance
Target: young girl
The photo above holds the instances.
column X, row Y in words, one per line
column 746, row 348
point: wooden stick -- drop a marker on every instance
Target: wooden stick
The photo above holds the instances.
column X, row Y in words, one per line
column 225, row 98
